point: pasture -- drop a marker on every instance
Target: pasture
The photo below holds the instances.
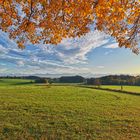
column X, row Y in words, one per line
column 125, row 88
column 29, row 111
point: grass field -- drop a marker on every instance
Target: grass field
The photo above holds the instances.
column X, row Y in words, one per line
column 125, row 88
column 28, row 111
column 14, row 82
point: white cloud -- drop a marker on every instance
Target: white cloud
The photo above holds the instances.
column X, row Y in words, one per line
column 20, row 63
column 108, row 52
column 112, row 46
column 72, row 51
column 100, row 67
column 3, row 50
column 2, row 69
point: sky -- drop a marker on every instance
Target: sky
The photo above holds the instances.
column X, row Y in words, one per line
column 94, row 54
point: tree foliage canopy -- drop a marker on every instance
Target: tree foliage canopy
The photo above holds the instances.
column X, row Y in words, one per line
column 49, row 21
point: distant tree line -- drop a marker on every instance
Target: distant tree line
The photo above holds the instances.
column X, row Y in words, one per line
column 71, row 79
column 105, row 80
column 115, row 80
column 64, row 79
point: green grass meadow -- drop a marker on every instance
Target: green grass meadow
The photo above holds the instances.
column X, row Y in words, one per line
column 125, row 88
column 35, row 112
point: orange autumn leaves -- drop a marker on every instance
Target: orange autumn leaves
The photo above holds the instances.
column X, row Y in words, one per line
column 49, row 21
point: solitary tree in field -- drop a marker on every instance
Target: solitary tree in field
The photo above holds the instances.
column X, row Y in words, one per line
column 97, row 82
column 46, row 82
column 49, row 21
column 121, row 87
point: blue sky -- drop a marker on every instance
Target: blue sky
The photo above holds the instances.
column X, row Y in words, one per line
column 90, row 55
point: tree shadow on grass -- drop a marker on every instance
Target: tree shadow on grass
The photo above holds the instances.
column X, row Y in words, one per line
column 112, row 90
